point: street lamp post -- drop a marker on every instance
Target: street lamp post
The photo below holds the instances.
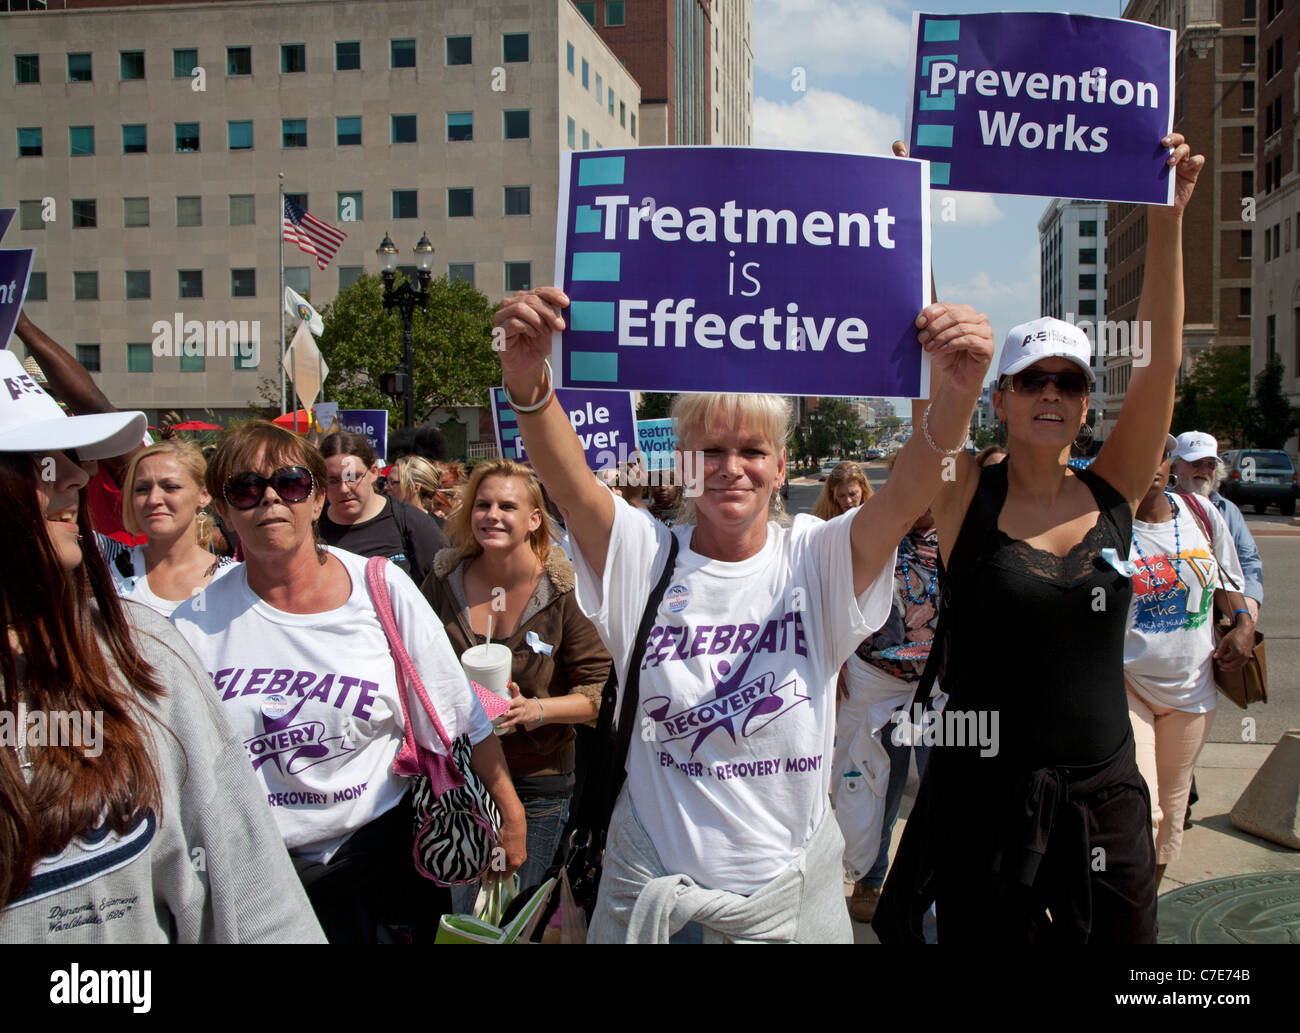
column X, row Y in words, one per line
column 406, row 299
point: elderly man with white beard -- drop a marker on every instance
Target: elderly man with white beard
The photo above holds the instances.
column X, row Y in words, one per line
column 1199, row 471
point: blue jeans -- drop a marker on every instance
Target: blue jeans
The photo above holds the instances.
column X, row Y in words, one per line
column 547, row 816
column 899, row 761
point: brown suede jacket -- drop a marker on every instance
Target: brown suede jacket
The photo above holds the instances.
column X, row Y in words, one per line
column 578, row 662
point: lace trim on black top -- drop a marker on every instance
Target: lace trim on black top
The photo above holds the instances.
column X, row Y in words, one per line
column 1067, row 571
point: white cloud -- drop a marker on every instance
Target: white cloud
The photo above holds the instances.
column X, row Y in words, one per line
column 821, row 120
column 965, row 209
column 1009, row 295
column 828, row 37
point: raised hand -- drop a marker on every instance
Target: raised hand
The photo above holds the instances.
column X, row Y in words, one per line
column 528, row 319
column 1186, row 169
column 959, row 341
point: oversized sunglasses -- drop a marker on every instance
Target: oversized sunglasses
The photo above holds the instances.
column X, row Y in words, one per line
column 1069, row 382
column 292, row 484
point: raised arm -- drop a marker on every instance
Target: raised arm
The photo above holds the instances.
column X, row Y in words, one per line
column 1132, row 452
column 528, row 320
column 959, row 342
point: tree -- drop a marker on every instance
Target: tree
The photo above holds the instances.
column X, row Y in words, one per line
column 838, row 424
column 1219, row 387
column 454, row 361
column 654, row 406
column 1270, row 419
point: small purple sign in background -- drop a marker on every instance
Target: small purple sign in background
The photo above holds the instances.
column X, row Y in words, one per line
column 1057, row 105
column 604, row 422
column 15, row 271
column 741, row 269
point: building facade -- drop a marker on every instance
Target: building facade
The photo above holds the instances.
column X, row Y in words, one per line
column 1214, row 108
column 143, row 146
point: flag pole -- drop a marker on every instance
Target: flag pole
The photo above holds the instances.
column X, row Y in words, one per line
column 280, row 300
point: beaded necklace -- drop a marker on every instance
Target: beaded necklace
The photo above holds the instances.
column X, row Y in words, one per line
column 1176, row 561
column 907, row 583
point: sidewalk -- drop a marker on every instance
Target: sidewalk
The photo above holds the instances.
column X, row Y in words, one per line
column 1213, row 848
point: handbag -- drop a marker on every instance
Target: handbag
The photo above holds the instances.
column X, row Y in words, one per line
column 455, row 819
column 490, row 922
column 1249, row 682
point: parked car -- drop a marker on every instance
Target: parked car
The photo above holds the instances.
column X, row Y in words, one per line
column 1262, row 477
column 874, row 453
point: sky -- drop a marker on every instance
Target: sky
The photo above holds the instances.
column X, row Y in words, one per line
column 855, row 56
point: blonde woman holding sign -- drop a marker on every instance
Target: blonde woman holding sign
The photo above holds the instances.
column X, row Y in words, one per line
column 723, row 830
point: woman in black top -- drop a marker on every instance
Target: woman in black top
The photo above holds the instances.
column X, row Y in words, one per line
column 1044, row 834
column 362, row 520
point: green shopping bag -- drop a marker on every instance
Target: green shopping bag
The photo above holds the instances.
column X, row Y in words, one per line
column 484, row 926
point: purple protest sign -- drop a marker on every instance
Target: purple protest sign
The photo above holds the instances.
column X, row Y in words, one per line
column 372, row 424
column 741, row 269
column 604, row 421
column 1058, row 105
column 15, row 270
column 6, row 217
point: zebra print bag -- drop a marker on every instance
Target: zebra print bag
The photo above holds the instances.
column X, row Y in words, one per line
column 456, row 821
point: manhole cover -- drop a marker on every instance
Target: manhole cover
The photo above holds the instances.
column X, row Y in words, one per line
column 1260, row 908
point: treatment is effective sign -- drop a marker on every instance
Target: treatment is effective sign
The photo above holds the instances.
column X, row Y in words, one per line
column 741, row 269
column 1059, row 105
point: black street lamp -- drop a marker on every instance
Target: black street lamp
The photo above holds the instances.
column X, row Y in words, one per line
column 406, row 299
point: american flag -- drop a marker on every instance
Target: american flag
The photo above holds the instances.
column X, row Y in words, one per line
column 310, row 234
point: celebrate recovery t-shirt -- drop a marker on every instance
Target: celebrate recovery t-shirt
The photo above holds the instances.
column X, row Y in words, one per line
column 728, row 769
column 313, row 697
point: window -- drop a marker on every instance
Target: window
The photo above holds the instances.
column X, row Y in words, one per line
column 29, row 142
column 622, row 114
column 1245, row 302
column 135, row 140
column 572, row 132
column 85, row 214
column 244, row 355
column 586, row 74
column 300, row 200
column 516, row 125
column 243, row 283
column 460, row 50
column 187, row 136
column 404, row 129
column 347, row 131
column 241, row 210
column 137, row 284
column 350, row 207
column 298, row 277
column 1248, row 183
column 1248, row 11
column 81, row 140
column 1247, row 243
column 29, row 215
column 460, row 125
column 519, row 201
column 184, row 62
column 514, row 46
column 27, row 67
column 36, row 288
column 460, row 202
column 350, row 274
column 1247, row 140
column 402, row 53
column 588, row 11
column 190, row 283
column 611, row 103
column 1087, row 256
column 406, row 204
column 586, row 140
column 600, row 89
column 131, row 64
column 79, row 67
column 568, row 58
column 189, row 211
column 458, row 271
column 614, row 13
column 293, row 132
column 347, row 56
column 1087, row 306
column 239, row 60
column 293, row 58
column 139, row 357
column 239, row 136
column 1270, row 335
column 135, row 211
column 85, row 286
column 1274, row 9
column 192, row 363
column 1088, row 228
column 1087, row 281
column 633, row 127
column 519, row 276
column 1248, row 50
column 1248, row 96
column 88, row 356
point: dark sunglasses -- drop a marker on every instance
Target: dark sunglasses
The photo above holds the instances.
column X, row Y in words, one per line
column 292, row 484
column 1069, row 382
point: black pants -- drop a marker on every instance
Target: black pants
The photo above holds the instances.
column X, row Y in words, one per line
column 370, row 892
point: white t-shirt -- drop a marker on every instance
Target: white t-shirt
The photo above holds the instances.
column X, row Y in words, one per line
column 728, row 770
column 313, row 696
column 1170, row 642
column 136, row 586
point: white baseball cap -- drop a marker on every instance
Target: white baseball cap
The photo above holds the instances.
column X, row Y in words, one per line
column 1194, row 445
column 1045, row 338
column 31, row 421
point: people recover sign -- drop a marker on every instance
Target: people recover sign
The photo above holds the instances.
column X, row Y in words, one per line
column 741, row 269
column 603, row 420
column 1058, row 105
